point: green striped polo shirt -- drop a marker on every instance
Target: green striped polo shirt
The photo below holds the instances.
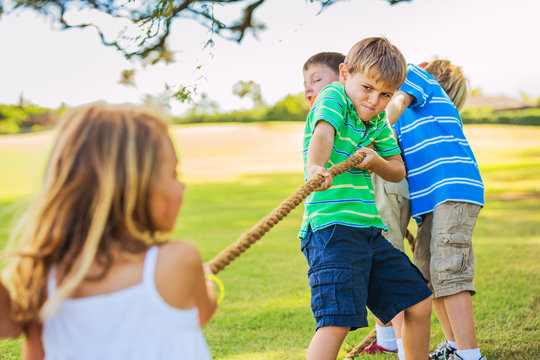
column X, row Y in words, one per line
column 350, row 200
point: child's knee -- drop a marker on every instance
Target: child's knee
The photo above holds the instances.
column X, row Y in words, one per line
column 421, row 309
column 334, row 331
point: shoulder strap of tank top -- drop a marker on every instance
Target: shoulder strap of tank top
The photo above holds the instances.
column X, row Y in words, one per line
column 149, row 267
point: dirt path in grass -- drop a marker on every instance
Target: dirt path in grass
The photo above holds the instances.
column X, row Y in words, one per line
column 217, row 152
column 212, row 152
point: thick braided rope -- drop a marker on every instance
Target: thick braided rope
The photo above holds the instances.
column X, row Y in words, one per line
column 265, row 224
column 368, row 340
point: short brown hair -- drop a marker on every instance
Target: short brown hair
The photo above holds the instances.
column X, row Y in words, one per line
column 451, row 79
column 332, row 60
column 378, row 54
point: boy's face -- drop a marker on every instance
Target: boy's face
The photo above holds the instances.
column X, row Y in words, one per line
column 369, row 96
column 315, row 78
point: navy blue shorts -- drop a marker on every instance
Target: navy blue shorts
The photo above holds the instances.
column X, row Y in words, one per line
column 351, row 268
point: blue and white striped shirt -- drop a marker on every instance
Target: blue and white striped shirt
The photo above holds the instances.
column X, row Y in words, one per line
column 440, row 163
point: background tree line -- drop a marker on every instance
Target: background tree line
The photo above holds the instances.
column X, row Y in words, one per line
column 27, row 117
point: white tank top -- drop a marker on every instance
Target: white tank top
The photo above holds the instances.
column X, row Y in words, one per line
column 129, row 324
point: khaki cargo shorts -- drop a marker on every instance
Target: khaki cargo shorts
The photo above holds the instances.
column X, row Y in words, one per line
column 443, row 251
column 393, row 203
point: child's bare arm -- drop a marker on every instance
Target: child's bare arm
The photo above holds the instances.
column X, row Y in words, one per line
column 180, row 279
column 208, row 297
column 319, row 150
column 8, row 328
column 33, row 346
column 390, row 168
column 205, row 294
column 395, row 108
column 202, row 290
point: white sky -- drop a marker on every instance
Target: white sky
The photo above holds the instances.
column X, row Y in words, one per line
column 496, row 42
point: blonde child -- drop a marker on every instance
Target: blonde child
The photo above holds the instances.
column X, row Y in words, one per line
column 391, row 199
column 351, row 264
column 447, row 194
column 91, row 264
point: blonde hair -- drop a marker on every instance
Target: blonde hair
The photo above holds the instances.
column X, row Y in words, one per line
column 379, row 55
column 451, row 79
column 94, row 196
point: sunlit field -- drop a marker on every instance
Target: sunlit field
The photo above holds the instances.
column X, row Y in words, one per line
column 266, row 313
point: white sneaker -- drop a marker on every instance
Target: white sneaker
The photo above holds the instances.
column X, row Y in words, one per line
column 457, row 357
column 442, row 352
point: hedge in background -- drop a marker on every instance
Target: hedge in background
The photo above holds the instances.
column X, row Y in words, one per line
column 484, row 115
column 290, row 108
column 27, row 117
column 16, row 118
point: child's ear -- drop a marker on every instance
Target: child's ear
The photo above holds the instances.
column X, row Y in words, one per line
column 343, row 73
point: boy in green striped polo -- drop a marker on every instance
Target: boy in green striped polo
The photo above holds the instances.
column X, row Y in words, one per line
column 391, row 199
column 351, row 264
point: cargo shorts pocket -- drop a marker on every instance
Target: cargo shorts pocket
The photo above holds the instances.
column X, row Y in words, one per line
column 399, row 190
column 454, row 258
column 331, row 290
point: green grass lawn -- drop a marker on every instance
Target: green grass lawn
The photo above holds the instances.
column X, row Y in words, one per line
column 266, row 314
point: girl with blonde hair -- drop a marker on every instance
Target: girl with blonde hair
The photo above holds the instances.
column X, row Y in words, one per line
column 91, row 264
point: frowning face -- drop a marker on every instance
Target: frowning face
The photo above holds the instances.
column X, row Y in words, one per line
column 367, row 92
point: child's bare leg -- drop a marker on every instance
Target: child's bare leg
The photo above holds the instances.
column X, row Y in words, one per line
column 386, row 337
column 397, row 323
column 416, row 330
column 326, row 343
column 460, row 312
column 440, row 310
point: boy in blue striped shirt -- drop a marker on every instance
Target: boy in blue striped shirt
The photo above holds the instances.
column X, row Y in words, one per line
column 351, row 264
column 446, row 193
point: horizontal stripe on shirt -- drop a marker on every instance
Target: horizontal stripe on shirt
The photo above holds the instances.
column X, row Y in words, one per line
column 440, row 163
column 350, row 200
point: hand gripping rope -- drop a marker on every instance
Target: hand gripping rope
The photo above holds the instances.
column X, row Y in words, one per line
column 265, row 224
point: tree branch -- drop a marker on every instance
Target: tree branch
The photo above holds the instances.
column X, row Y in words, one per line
column 154, row 20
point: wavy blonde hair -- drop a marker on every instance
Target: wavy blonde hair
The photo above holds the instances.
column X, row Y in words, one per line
column 451, row 79
column 94, row 196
